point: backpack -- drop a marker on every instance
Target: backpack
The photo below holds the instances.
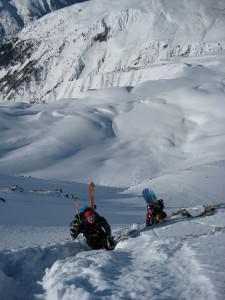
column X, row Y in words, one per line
column 149, row 196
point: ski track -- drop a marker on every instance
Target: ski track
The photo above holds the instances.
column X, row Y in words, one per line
column 172, row 269
column 159, row 268
column 167, row 267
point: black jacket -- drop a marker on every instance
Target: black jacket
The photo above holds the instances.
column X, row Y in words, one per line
column 96, row 234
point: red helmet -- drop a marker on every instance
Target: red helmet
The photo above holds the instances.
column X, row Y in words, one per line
column 90, row 216
column 89, row 213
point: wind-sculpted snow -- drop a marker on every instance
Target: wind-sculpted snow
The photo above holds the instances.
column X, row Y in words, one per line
column 116, row 43
column 122, row 136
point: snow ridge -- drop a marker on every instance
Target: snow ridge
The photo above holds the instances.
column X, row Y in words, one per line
column 15, row 14
column 74, row 49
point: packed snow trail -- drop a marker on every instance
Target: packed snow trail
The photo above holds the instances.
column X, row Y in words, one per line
column 145, row 267
column 160, row 262
column 182, row 258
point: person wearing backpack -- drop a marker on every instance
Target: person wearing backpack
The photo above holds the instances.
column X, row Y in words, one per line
column 155, row 213
column 95, row 229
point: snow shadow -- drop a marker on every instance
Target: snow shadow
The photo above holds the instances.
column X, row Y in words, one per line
column 21, row 270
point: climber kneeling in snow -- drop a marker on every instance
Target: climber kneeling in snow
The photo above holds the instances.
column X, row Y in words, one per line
column 94, row 227
column 155, row 213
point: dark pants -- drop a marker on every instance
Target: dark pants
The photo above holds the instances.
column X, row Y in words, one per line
column 101, row 243
column 149, row 215
column 155, row 214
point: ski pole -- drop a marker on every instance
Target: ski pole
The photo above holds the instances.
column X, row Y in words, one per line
column 76, row 204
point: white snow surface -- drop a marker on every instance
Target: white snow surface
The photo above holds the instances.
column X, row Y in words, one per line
column 167, row 135
column 102, row 43
column 179, row 259
column 15, row 14
column 166, row 132
column 121, row 136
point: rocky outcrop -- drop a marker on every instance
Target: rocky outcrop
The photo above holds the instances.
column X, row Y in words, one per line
column 15, row 14
column 90, row 47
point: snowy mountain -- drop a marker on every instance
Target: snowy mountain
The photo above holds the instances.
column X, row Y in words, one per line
column 123, row 136
column 15, row 14
column 101, row 44
column 141, row 103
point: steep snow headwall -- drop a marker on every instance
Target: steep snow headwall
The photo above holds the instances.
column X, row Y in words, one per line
column 100, row 44
column 15, row 14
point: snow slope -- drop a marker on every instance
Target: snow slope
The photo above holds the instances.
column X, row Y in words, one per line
column 166, row 134
column 15, row 14
column 39, row 261
column 121, row 136
column 102, row 43
column 158, row 122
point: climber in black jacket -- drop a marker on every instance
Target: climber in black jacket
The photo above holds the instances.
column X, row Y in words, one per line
column 95, row 228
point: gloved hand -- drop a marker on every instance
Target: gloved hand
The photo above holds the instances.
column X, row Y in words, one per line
column 161, row 203
column 74, row 229
column 111, row 244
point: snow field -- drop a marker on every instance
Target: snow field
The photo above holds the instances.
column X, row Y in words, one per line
column 156, row 121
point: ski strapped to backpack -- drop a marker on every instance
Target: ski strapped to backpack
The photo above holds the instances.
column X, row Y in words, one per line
column 91, row 190
column 151, row 199
column 80, row 211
